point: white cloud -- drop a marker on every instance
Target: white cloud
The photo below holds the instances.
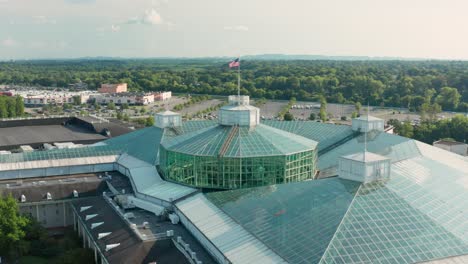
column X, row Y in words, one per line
column 44, row 20
column 236, row 28
column 150, row 17
column 9, row 42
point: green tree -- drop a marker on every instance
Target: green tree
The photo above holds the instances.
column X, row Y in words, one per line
column 124, row 106
column 77, row 100
column 12, row 227
column 111, row 106
column 3, row 107
column 323, row 109
column 312, row 116
column 406, row 130
column 448, row 98
column 358, row 107
column 288, row 117
column 19, row 106
column 149, row 121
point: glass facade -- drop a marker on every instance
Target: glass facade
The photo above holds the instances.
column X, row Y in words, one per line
column 235, row 173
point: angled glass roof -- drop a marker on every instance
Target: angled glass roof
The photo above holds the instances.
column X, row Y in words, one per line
column 382, row 227
column 142, row 144
column 296, row 220
column 239, row 142
column 54, row 154
column 325, row 134
column 391, row 146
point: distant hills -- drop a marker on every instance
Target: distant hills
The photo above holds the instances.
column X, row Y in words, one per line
column 264, row 57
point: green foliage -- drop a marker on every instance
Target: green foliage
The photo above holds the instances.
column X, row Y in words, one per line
column 431, row 130
column 285, row 109
column 389, row 83
column 358, row 107
column 77, row 100
column 288, row 117
column 111, row 106
column 11, row 106
column 323, row 109
column 12, row 227
column 312, row 116
column 448, row 98
column 124, row 106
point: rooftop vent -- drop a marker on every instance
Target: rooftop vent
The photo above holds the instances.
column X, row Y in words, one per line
column 75, row 193
column 84, row 208
column 23, row 198
column 91, row 216
column 49, row 196
column 364, row 167
column 167, row 119
column 367, row 123
column 239, row 112
column 111, row 246
column 94, row 225
column 101, row 235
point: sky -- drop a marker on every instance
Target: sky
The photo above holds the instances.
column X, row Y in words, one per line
column 32, row 29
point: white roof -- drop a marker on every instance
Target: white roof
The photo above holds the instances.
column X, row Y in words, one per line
column 368, row 117
column 237, row 244
column 36, row 164
column 365, row 157
column 167, row 112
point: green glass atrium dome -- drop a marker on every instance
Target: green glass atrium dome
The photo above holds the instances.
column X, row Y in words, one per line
column 239, row 152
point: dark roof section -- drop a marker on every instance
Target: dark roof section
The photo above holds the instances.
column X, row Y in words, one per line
column 62, row 187
column 13, row 137
column 131, row 248
column 100, row 127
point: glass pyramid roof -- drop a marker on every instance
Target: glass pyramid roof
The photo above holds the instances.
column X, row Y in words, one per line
column 295, row 220
column 263, row 140
column 382, row 227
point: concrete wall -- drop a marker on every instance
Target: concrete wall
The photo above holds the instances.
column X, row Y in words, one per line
column 50, row 214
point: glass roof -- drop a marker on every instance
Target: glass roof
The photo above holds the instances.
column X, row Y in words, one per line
column 239, row 142
column 325, row 134
column 382, row 227
column 55, row 154
column 391, row 146
column 142, row 144
column 295, row 220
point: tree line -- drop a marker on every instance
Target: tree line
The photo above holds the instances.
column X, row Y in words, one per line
column 11, row 106
column 409, row 84
column 431, row 130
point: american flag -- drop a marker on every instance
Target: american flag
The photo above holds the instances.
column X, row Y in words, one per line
column 234, row 63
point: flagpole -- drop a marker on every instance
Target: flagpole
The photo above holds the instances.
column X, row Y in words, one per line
column 238, row 82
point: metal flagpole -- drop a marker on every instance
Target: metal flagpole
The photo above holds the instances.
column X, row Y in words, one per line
column 238, row 82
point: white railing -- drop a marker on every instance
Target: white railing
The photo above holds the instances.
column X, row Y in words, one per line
column 37, row 117
column 186, row 250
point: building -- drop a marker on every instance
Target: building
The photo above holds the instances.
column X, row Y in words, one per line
column 41, row 133
column 251, row 191
column 162, row 96
column 44, row 97
column 113, row 88
column 124, row 98
column 459, row 148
